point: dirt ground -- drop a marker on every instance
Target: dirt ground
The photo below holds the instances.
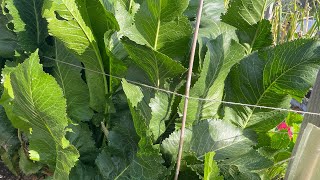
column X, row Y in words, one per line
column 5, row 174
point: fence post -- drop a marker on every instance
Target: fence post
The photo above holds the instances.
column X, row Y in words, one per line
column 313, row 106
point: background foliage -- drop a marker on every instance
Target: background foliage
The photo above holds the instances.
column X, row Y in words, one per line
column 62, row 115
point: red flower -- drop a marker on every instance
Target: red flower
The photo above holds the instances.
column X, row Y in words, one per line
column 284, row 126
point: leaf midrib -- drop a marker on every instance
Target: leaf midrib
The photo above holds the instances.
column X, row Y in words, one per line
column 158, row 28
column 37, row 22
column 58, row 67
column 39, row 117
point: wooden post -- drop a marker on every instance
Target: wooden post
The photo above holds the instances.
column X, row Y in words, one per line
column 305, row 165
column 313, row 106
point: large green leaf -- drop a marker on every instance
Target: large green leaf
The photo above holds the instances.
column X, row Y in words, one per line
column 232, row 146
column 245, row 13
column 122, row 136
column 252, row 160
column 123, row 141
column 155, row 108
column 156, row 65
column 212, row 9
column 161, row 25
column 245, row 167
column 100, row 25
column 109, row 164
column 117, row 54
column 7, row 97
column 124, row 11
column 8, row 40
column 103, row 21
column 271, row 79
column 211, row 169
column 146, row 166
column 153, row 111
column 143, row 166
column 210, row 30
column 81, row 138
column 84, row 172
column 222, row 54
column 280, row 140
column 75, row 90
column 38, row 100
column 148, row 161
column 248, row 17
column 225, row 139
column 245, row 85
column 29, row 25
column 70, row 23
column 160, row 112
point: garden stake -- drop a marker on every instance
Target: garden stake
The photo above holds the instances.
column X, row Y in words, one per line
column 185, row 107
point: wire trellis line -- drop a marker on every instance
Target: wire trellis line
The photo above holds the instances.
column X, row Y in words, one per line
column 182, row 95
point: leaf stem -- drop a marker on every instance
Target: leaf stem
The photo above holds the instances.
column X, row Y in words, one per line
column 20, row 138
column 104, row 129
column 130, row 4
column 37, row 22
column 184, row 117
column 158, row 29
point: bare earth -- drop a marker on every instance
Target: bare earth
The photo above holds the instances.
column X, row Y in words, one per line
column 5, row 174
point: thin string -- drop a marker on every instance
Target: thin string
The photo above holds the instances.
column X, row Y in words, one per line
column 182, row 95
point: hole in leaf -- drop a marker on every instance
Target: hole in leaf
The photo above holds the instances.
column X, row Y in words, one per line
column 59, row 17
column 83, row 73
column 308, row 94
column 6, row 10
column 10, row 26
column 49, row 40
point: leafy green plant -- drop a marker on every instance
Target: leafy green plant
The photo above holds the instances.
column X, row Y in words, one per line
column 90, row 89
column 295, row 19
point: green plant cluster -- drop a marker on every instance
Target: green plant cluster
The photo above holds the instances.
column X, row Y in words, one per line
column 62, row 115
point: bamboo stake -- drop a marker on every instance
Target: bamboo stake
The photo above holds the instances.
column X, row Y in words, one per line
column 187, row 92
